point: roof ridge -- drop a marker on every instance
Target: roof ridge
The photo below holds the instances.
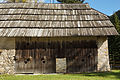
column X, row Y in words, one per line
column 44, row 6
column 42, row 3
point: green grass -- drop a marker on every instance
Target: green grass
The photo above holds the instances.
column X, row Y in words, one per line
column 113, row 75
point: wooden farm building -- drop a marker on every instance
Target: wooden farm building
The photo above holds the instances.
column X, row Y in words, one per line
column 53, row 38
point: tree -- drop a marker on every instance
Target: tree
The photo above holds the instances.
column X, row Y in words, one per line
column 115, row 20
column 114, row 41
column 71, row 1
column 23, row 1
column 118, row 14
column 16, row 1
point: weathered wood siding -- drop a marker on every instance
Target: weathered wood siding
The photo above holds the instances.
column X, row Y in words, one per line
column 33, row 56
column 82, row 57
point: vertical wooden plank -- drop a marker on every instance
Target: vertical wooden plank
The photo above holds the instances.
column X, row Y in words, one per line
column 82, row 56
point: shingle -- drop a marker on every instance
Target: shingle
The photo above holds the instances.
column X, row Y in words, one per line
column 36, row 19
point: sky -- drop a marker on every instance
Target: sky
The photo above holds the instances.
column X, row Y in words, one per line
column 107, row 7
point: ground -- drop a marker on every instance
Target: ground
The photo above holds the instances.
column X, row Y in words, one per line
column 113, row 75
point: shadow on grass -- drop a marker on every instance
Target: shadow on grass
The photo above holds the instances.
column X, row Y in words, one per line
column 115, row 74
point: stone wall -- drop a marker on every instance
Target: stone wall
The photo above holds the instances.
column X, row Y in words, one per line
column 7, row 51
column 103, row 54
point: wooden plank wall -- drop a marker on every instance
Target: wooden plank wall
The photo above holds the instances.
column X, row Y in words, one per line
column 81, row 55
column 34, row 57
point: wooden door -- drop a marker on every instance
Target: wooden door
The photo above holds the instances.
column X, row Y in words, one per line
column 24, row 57
column 81, row 56
column 34, row 57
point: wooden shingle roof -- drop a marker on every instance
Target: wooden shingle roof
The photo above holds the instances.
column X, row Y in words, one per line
column 41, row 20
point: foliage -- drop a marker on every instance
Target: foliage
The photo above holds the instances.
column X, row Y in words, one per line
column 22, row 1
column 116, row 21
column 16, row 1
column 71, row 1
column 118, row 14
column 113, row 75
column 114, row 41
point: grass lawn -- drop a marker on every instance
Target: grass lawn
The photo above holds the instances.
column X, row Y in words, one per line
column 113, row 75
